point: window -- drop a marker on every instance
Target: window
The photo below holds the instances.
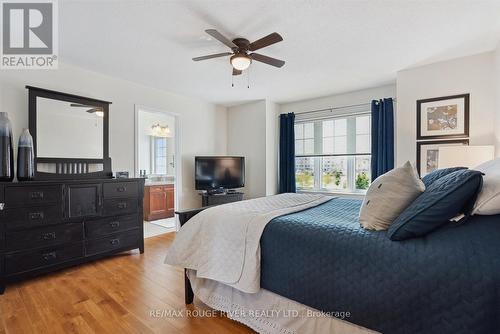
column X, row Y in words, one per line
column 334, row 154
column 159, row 147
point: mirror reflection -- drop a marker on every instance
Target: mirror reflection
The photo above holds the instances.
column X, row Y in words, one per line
column 69, row 130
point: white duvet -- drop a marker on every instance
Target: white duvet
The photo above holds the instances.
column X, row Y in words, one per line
column 223, row 243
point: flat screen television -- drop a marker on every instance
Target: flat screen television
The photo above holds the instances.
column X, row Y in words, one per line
column 219, row 172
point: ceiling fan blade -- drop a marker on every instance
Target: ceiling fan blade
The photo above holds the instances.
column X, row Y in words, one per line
column 221, row 38
column 213, row 56
column 265, row 41
column 236, row 72
column 267, row 60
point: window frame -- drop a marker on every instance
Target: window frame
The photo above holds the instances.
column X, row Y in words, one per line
column 155, row 157
column 351, row 162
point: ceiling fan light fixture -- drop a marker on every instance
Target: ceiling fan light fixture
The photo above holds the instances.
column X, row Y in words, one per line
column 240, row 61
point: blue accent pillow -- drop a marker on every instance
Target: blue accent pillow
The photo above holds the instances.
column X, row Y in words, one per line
column 439, row 173
column 444, row 199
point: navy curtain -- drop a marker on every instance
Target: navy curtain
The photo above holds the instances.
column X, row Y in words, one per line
column 382, row 137
column 287, row 154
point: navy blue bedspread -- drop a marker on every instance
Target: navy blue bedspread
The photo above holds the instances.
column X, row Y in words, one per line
column 446, row 282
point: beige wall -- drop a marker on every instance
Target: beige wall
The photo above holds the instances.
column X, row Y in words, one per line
column 473, row 74
column 246, row 136
column 201, row 130
column 340, row 100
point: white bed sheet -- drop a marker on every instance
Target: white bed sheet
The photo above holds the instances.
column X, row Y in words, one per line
column 267, row 312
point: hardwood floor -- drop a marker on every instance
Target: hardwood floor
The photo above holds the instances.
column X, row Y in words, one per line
column 115, row 295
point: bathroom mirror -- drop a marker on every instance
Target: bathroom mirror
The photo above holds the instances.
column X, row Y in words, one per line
column 70, row 135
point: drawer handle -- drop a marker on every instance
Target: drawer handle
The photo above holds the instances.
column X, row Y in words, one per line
column 36, row 195
column 122, row 205
column 49, row 256
column 114, row 242
column 114, row 224
column 121, row 189
column 36, row 215
column 49, row 236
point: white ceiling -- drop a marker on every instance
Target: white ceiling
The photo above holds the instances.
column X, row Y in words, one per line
column 329, row 46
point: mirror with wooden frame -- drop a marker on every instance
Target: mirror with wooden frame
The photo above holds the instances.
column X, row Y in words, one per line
column 70, row 135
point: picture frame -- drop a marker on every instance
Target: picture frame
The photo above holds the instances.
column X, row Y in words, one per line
column 427, row 154
column 443, row 117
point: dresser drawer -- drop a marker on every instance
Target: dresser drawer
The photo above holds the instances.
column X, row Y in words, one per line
column 120, row 189
column 43, row 237
column 113, row 242
column 37, row 216
column 26, row 196
column 120, row 206
column 101, row 227
column 34, row 259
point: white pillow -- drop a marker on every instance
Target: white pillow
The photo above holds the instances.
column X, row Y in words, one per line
column 388, row 196
column 488, row 200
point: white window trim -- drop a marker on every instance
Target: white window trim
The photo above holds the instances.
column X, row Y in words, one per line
column 351, row 165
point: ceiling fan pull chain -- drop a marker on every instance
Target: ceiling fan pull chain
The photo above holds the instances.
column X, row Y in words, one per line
column 232, row 80
column 248, row 78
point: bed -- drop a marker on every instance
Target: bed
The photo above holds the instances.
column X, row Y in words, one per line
column 446, row 282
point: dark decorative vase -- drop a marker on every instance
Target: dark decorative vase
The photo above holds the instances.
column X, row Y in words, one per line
column 25, row 157
column 6, row 149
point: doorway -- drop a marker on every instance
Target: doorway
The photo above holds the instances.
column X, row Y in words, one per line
column 157, row 152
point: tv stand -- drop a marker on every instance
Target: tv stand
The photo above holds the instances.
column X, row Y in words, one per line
column 208, row 199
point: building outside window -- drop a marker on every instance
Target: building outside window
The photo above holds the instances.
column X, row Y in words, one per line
column 333, row 154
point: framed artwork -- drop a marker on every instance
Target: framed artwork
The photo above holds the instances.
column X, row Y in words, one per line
column 428, row 154
column 443, row 117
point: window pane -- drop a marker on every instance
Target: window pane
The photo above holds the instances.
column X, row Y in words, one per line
column 363, row 144
column 340, row 145
column 299, row 131
column 363, row 176
column 327, row 129
column 304, row 173
column 309, row 130
column 308, row 146
column 334, row 173
column 341, row 127
column 363, row 126
column 299, row 147
column 328, row 145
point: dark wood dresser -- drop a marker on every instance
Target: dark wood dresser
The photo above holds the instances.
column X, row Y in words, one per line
column 49, row 225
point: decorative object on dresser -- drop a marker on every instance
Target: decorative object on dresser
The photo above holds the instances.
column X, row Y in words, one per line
column 158, row 201
column 208, row 199
column 25, row 157
column 443, row 117
column 6, row 149
column 74, row 211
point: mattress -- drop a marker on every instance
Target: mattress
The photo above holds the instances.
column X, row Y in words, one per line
column 446, row 282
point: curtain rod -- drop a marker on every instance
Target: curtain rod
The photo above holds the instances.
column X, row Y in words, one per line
column 335, row 108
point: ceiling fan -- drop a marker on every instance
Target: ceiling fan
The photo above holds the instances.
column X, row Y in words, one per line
column 93, row 109
column 241, row 58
